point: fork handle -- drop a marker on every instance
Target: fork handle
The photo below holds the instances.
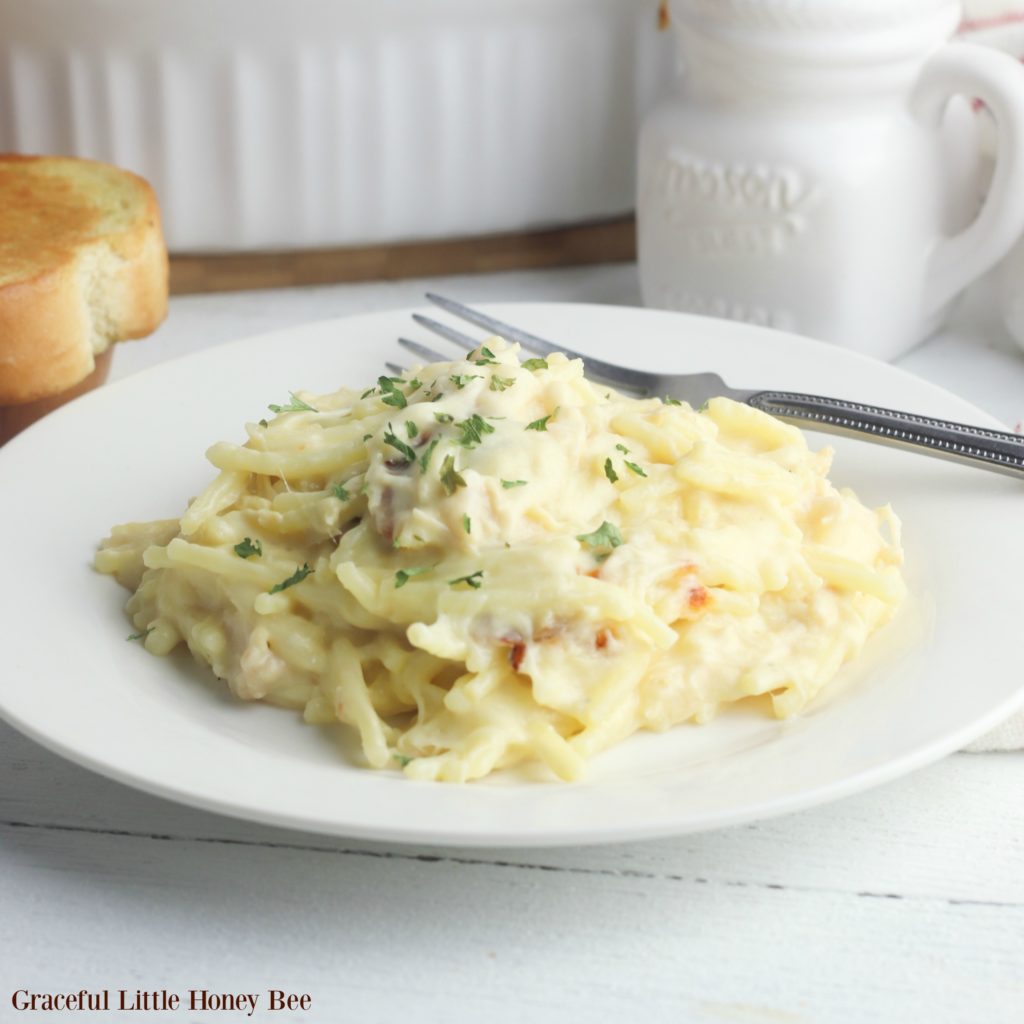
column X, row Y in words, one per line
column 977, row 446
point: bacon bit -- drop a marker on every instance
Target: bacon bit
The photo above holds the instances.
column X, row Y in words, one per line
column 397, row 465
column 698, row 596
column 518, row 643
column 664, row 21
column 518, row 652
column 516, row 655
column 601, row 639
column 594, row 573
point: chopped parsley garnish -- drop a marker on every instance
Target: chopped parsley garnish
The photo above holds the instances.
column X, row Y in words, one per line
column 390, row 395
column 450, row 476
column 622, row 448
column 402, row 759
column 366, row 437
column 636, row 469
column 367, row 393
column 295, row 405
column 535, row 364
column 460, row 380
column 264, row 423
column 669, row 400
column 411, row 429
column 467, row 524
column 473, row 430
column 501, row 383
column 509, row 484
column 474, row 579
column 425, row 457
column 486, row 357
column 142, row 635
column 605, row 536
column 404, row 575
column 542, row 423
column 340, row 493
column 400, row 446
column 704, row 406
column 609, row 471
column 296, row 577
column 248, row 547
column 444, row 417
column 414, row 385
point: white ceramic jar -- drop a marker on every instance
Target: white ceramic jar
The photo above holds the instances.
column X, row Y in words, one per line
column 819, row 171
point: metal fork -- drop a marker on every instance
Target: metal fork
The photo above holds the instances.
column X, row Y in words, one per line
column 996, row 450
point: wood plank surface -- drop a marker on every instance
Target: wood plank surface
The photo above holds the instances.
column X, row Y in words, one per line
column 610, row 241
column 906, row 898
column 381, row 940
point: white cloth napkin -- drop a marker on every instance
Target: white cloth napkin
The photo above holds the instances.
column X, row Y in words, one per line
column 981, row 15
column 1008, row 736
column 998, row 23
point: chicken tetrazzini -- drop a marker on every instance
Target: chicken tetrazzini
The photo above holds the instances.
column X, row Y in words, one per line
column 493, row 561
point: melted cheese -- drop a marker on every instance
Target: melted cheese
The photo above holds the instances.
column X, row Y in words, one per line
column 496, row 562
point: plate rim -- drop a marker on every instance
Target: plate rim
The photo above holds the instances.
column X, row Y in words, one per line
column 548, row 839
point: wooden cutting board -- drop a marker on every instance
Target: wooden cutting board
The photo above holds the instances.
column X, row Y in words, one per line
column 610, row 241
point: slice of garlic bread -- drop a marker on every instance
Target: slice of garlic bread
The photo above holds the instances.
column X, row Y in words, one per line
column 82, row 264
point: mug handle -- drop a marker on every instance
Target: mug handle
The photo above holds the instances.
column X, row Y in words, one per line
column 998, row 80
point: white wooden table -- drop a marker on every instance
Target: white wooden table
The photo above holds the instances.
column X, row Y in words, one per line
column 905, row 904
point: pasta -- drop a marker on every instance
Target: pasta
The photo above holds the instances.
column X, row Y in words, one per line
column 491, row 562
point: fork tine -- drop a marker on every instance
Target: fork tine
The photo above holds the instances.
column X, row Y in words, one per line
column 395, row 368
column 421, row 350
column 452, row 335
column 618, row 376
column 489, row 323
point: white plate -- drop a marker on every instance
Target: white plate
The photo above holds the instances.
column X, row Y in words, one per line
column 945, row 671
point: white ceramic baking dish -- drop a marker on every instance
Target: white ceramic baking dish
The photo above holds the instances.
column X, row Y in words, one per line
column 297, row 123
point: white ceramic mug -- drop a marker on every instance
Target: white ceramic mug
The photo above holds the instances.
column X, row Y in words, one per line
column 819, row 170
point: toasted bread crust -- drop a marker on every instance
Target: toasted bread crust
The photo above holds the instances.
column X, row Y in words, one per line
column 94, row 270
